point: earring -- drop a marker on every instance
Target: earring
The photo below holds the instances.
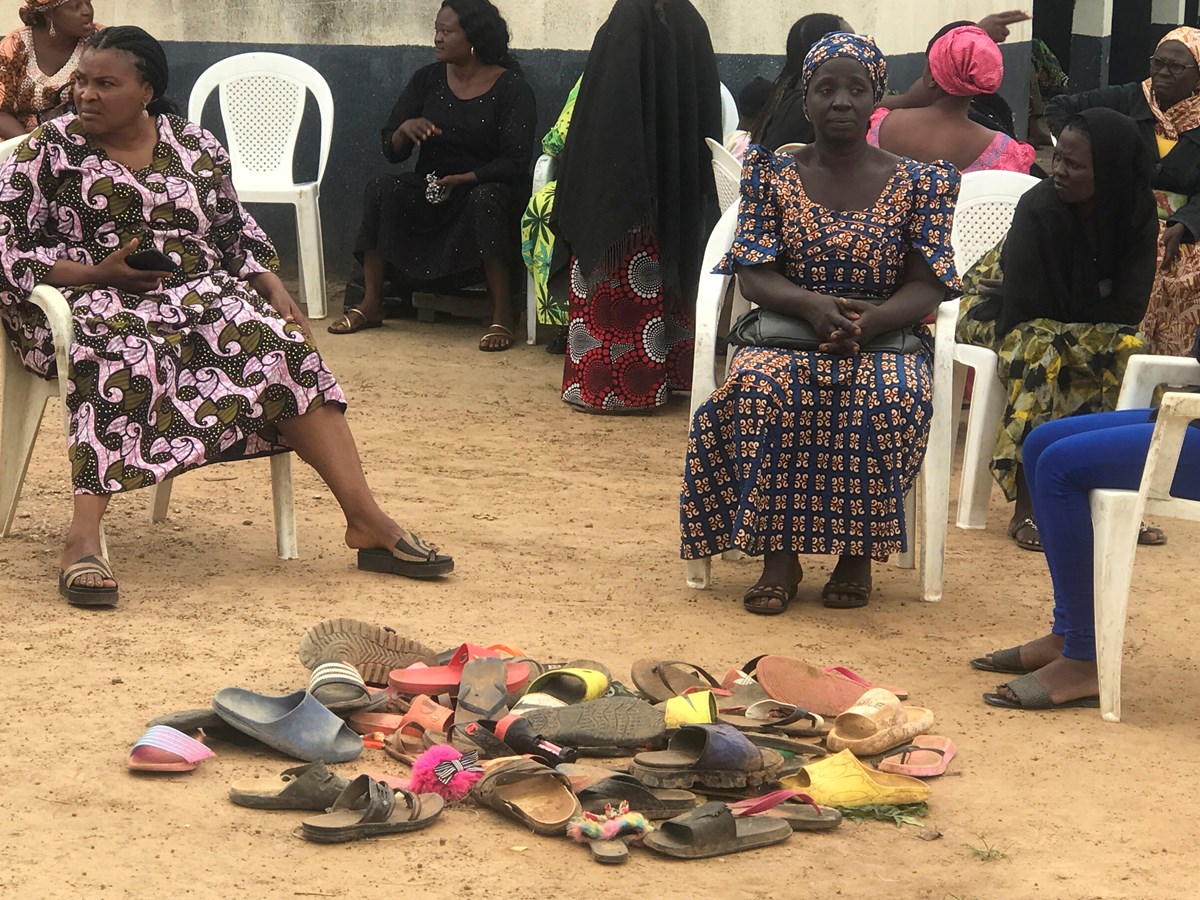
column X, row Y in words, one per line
column 145, row 113
column 52, row 31
column 472, row 51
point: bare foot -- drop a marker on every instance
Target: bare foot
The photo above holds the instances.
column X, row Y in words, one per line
column 781, row 574
column 1064, row 679
column 382, row 533
column 75, row 549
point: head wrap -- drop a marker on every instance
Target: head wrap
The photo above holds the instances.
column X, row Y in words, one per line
column 858, row 47
column 33, row 7
column 965, row 62
column 1184, row 115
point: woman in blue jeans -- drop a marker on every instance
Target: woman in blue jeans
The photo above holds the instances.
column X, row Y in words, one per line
column 1064, row 460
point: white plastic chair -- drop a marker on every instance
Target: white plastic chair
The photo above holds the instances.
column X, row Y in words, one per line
column 23, row 399
column 729, row 112
column 933, row 484
column 262, row 104
column 1116, row 519
column 544, row 172
column 726, row 172
column 790, row 148
column 986, row 202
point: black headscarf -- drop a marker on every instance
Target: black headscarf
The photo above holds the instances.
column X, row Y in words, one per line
column 635, row 152
column 1052, row 263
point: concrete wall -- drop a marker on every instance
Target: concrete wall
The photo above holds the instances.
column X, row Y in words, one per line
column 367, row 49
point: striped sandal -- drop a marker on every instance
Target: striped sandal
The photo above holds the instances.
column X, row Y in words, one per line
column 412, row 558
column 86, row 595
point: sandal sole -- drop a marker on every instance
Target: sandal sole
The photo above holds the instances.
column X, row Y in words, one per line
column 372, row 649
column 622, row 722
column 383, row 561
column 722, row 779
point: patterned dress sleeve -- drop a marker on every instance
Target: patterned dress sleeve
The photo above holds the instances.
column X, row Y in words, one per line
column 14, row 62
column 245, row 248
column 931, row 219
column 29, row 247
column 757, row 240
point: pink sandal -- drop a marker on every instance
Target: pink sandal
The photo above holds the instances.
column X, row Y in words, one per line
column 927, row 756
column 164, row 749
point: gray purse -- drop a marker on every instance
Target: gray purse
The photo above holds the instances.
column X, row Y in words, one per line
column 767, row 328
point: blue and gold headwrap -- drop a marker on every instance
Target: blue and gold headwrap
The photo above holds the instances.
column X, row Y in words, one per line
column 854, row 46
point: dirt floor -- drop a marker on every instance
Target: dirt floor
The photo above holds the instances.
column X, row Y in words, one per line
column 564, row 528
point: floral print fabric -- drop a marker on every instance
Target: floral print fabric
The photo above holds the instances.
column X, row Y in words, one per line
column 25, row 90
column 198, row 372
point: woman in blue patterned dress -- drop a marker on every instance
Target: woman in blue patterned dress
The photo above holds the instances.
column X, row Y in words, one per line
column 812, row 451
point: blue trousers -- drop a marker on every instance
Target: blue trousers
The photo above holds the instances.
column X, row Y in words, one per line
column 1065, row 459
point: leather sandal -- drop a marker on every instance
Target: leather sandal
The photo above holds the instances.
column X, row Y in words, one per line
column 497, row 330
column 84, row 595
column 768, row 592
column 1027, row 524
column 412, row 558
column 348, row 325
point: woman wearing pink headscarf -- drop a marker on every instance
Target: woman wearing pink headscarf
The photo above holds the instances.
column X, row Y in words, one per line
column 963, row 63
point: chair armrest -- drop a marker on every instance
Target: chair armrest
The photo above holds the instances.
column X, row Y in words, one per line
column 58, row 314
column 1145, row 373
column 1177, row 412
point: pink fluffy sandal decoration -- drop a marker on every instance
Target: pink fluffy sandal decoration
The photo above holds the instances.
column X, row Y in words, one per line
column 445, row 771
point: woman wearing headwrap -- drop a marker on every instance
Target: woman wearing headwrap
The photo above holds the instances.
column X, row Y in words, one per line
column 962, row 64
column 634, row 204
column 1166, row 108
column 37, row 62
column 847, row 247
column 1077, row 267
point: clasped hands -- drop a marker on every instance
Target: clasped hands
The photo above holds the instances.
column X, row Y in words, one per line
column 846, row 322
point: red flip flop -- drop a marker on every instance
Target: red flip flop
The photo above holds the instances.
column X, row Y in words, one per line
column 794, row 681
column 901, row 693
column 435, row 680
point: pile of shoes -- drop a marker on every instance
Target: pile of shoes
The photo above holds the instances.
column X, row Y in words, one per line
column 776, row 746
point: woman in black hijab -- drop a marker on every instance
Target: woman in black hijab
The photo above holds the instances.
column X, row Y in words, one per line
column 635, row 202
column 1078, row 266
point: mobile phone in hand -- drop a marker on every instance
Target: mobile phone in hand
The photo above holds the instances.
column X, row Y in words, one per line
column 150, row 260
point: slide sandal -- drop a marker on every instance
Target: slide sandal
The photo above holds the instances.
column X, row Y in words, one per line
column 529, row 792
column 804, row 815
column 926, row 756
column 340, row 688
column 434, row 680
column 1005, row 662
column 163, row 749
column 296, row 724
column 717, row 756
column 311, row 786
column 369, row 808
column 712, row 830
column 621, row 788
column 1031, row 694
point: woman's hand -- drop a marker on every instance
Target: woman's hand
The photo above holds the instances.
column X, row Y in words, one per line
column 270, row 288
column 996, row 25
column 1172, row 237
column 450, row 182
column 417, row 130
column 114, row 272
column 832, row 322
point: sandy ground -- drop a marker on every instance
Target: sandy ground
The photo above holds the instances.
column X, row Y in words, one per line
column 565, row 532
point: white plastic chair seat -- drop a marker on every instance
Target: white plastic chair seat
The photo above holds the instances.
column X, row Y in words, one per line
column 926, row 519
column 1116, row 519
column 262, row 98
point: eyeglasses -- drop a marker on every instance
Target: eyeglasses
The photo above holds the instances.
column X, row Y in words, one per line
column 1158, row 64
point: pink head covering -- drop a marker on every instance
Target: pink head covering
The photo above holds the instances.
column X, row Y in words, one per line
column 965, row 62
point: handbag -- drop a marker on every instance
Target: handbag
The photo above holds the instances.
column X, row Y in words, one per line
column 767, row 328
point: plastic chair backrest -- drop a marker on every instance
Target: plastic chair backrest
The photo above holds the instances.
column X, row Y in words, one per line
column 262, row 103
column 727, row 173
column 789, row 148
column 986, row 202
column 729, row 112
column 8, row 146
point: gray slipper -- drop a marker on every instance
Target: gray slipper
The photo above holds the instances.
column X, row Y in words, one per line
column 1006, row 662
column 310, row 786
column 1032, row 694
column 296, row 724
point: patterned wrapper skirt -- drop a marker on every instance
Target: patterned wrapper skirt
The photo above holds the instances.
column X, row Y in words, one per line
column 626, row 350
column 1173, row 315
column 807, row 452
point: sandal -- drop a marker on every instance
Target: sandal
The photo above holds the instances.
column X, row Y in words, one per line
column 1032, row 694
column 1006, row 662
column 767, row 592
column 1031, row 541
column 367, row 808
column 854, row 594
column 412, row 560
column 86, row 595
column 496, row 331
column 1151, row 536
column 347, row 325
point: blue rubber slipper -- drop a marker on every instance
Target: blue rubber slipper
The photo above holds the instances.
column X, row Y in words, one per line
column 296, row 724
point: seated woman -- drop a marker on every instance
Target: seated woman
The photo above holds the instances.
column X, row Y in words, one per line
column 207, row 360
column 1166, row 108
column 1066, row 459
column 962, row 64
column 1077, row 268
column 455, row 218
column 37, row 62
column 812, row 451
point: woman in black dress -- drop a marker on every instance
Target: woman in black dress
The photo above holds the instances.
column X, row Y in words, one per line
column 454, row 220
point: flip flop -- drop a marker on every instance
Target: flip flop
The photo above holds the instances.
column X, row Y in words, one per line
column 1034, row 543
column 611, row 853
column 435, row 680
column 295, row 724
column 771, row 715
column 927, row 756
column 412, row 558
column 662, row 679
column 482, row 691
column 497, row 330
column 163, row 749
column 368, row 808
column 622, row 788
column 311, row 786
column 901, row 693
column 529, row 792
column 769, row 592
column 346, row 325
column 795, row 807
column 373, row 649
column 712, row 830
column 1005, row 662
column 710, row 755
column 794, row 681
column 1032, row 695
column 83, row 595
column 859, row 594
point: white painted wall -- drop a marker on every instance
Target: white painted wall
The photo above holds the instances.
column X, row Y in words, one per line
column 737, row 26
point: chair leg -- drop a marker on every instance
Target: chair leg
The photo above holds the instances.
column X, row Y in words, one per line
column 699, row 574
column 160, row 500
column 530, row 311
column 312, row 257
column 908, row 559
column 957, row 393
column 23, row 403
column 1114, row 528
column 983, row 423
column 285, row 506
